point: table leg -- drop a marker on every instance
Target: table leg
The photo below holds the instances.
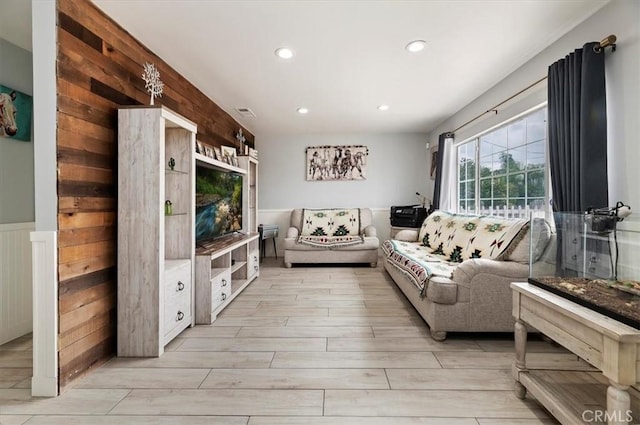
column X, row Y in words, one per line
column 520, row 335
column 618, row 404
column 261, row 249
column 274, row 248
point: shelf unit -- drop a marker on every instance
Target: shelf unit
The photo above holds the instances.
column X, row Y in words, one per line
column 227, row 265
column 219, row 165
column 250, row 193
column 224, row 268
column 155, row 250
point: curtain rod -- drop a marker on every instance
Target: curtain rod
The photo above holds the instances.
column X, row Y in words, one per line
column 609, row 41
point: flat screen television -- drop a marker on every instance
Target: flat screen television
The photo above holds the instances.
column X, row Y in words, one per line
column 218, row 203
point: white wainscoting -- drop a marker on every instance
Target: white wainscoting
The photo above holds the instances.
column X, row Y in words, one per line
column 16, row 318
column 281, row 217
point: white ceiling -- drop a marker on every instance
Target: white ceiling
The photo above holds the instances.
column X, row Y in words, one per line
column 349, row 55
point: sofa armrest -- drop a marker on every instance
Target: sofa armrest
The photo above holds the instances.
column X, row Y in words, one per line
column 292, row 233
column 370, row 231
column 469, row 269
column 406, row 236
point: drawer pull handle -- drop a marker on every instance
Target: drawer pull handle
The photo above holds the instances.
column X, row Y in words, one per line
column 180, row 316
column 180, row 286
column 224, row 282
column 223, row 296
column 255, row 268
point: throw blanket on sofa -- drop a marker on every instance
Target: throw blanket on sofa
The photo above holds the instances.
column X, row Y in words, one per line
column 447, row 239
column 459, row 237
column 331, row 227
column 416, row 261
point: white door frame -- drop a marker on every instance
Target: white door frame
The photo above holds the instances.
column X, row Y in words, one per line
column 44, row 239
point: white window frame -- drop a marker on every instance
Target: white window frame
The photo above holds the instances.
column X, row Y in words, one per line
column 548, row 213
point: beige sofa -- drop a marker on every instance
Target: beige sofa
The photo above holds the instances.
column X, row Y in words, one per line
column 361, row 248
column 466, row 294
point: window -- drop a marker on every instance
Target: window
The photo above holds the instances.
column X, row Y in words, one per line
column 503, row 172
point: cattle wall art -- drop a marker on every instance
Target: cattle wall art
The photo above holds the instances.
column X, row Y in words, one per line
column 15, row 114
column 337, row 162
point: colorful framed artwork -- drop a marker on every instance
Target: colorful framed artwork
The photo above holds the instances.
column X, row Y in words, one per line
column 15, row 114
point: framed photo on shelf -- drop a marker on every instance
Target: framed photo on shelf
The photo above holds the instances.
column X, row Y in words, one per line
column 208, row 151
column 229, row 154
column 218, row 152
column 199, row 147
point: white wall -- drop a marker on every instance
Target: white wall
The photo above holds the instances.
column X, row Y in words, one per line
column 397, row 169
column 16, row 157
column 620, row 17
column 44, row 35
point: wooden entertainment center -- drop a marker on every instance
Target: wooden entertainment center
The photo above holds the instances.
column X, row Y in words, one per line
column 165, row 284
column 227, row 265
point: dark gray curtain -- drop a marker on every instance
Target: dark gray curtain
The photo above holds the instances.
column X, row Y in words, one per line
column 577, row 147
column 578, row 130
column 435, row 203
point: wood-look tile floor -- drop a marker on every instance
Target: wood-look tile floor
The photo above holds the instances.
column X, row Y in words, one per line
column 317, row 345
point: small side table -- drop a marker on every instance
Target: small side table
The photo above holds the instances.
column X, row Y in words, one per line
column 267, row 231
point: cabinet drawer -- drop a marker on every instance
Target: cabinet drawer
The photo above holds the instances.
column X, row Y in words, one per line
column 221, row 281
column 177, row 281
column 219, row 297
column 177, row 294
column 269, row 233
column 177, row 314
column 253, row 263
column 220, row 288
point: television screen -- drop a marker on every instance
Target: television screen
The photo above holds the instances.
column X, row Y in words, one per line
column 218, row 203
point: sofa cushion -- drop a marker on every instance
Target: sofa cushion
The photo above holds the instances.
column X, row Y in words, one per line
column 541, row 232
column 459, row 237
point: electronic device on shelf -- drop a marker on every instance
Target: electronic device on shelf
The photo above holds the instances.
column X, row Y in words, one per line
column 408, row 216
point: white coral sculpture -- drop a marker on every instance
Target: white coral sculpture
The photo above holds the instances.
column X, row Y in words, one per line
column 152, row 82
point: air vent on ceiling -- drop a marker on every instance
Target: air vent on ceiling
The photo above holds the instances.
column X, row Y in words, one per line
column 245, row 112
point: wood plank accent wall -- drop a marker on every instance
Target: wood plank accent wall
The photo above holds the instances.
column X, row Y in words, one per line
column 99, row 67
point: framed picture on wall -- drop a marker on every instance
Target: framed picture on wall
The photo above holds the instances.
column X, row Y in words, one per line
column 15, row 114
column 336, row 162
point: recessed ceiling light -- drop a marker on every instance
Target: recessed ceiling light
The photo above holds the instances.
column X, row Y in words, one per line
column 383, row 107
column 416, row 46
column 303, row 111
column 284, row 53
